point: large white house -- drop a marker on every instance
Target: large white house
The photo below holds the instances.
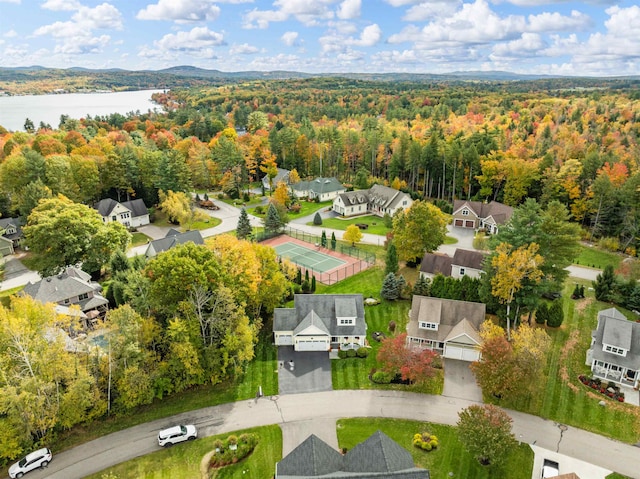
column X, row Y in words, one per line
column 322, row 189
column 321, row 322
column 131, row 214
column 378, row 199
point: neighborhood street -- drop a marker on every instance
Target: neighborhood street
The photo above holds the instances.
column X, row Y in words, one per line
column 302, row 414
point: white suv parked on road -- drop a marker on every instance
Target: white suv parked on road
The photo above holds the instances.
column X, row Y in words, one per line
column 39, row 458
column 176, row 434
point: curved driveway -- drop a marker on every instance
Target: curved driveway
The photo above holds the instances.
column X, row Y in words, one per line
column 109, row 450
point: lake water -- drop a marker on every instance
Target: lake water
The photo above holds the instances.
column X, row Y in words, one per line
column 48, row 108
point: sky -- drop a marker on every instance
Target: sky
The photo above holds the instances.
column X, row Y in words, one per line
column 595, row 38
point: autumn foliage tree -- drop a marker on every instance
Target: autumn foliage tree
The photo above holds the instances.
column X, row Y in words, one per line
column 398, row 359
column 353, row 235
column 419, row 229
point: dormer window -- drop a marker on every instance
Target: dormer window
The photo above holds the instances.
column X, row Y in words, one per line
column 427, row 325
column 613, row 350
column 465, row 212
column 10, row 230
column 346, row 321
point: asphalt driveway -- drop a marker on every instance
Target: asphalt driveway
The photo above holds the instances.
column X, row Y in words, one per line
column 459, row 381
column 311, row 371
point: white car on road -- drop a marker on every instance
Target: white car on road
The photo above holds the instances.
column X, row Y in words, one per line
column 174, row 435
column 39, row 458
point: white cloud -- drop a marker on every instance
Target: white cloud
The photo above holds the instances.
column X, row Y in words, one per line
column 83, row 45
column 61, row 5
column 401, row 3
column 307, row 12
column 199, row 42
column 244, row 49
column 10, row 34
column 102, row 16
column 392, row 57
column 427, row 10
column 11, row 1
column 349, row 9
column 369, row 37
column 180, row 11
column 290, row 38
column 555, row 22
column 528, row 45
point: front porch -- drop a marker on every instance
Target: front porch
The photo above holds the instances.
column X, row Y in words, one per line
column 617, row 374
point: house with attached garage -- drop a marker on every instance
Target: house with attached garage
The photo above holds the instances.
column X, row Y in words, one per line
column 614, row 354
column 478, row 215
column 378, row 200
column 464, row 263
column 131, row 214
column 377, row 457
column 171, row 239
column 321, row 322
column 12, row 236
column 448, row 327
column 324, row 189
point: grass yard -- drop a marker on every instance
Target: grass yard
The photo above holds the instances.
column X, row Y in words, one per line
column 353, row 373
column 208, row 223
column 138, row 239
column 597, row 258
column 5, row 296
column 449, row 457
column 306, row 208
column 260, row 372
column 376, row 224
column 183, row 460
column 561, row 397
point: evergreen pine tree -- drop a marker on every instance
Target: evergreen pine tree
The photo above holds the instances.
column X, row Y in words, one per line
column 391, row 259
column 317, row 219
column 306, row 275
column 422, row 286
column 556, row 314
column 272, row 221
column 323, row 239
column 313, row 284
column 605, row 284
column 299, row 276
column 197, row 198
column 333, row 241
column 206, row 197
column 438, row 286
column 542, row 313
column 243, row 230
column 389, row 289
column 401, row 285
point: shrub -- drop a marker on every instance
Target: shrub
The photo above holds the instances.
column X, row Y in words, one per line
column 295, row 208
column 610, row 244
column 556, row 314
column 317, row 219
column 351, row 353
column 259, row 210
column 381, row 377
column 425, row 441
column 481, row 241
column 342, row 354
column 392, row 327
column 542, row 313
column 362, row 352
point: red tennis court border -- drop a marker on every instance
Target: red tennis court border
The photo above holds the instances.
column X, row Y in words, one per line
column 352, row 265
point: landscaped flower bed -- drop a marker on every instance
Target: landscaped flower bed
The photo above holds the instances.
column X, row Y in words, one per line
column 425, row 441
column 232, row 450
column 611, row 390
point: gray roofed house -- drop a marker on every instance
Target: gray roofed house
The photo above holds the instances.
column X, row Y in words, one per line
column 72, row 286
column 281, row 176
column 173, row 238
column 478, row 215
column 377, row 457
column 614, row 354
column 464, row 263
column 132, row 213
column 378, row 199
column 12, row 230
column 324, row 189
column 446, row 326
column 321, row 322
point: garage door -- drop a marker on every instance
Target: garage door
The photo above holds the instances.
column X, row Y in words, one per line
column 464, row 354
column 312, row 345
column 459, row 223
column 469, row 223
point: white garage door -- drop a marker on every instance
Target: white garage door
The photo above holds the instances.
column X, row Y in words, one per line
column 312, row 345
column 464, row 354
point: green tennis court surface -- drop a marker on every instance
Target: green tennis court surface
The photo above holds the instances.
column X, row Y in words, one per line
column 308, row 257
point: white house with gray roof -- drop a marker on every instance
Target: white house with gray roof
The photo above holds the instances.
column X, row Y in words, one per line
column 378, row 200
column 131, row 214
column 614, row 354
column 377, row 457
column 321, row 322
column 324, row 189
column 171, row 239
column 448, row 327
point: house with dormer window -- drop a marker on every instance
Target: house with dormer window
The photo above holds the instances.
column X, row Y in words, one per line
column 379, row 200
column 131, row 214
column 479, row 215
column 11, row 231
column 614, row 354
column 320, row 189
column 321, row 323
column 448, row 327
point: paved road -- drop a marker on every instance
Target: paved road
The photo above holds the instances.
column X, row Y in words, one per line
column 296, row 408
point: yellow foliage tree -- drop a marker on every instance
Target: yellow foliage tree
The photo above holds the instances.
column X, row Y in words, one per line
column 281, row 195
column 353, row 235
column 178, row 207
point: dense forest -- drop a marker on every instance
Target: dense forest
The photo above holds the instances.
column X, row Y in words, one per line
column 576, row 143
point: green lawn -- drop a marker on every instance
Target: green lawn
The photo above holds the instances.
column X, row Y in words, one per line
column 208, row 223
column 376, row 224
column 597, row 258
column 260, row 372
column 138, row 239
column 183, row 460
column 306, row 208
column 450, row 456
column 561, row 397
column 353, row 373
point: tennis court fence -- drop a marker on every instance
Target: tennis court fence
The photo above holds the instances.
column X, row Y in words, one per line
column 344, row 249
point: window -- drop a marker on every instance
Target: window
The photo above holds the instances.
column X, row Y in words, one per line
column 461, row 271
column 83, row 296
column 465, row 212
column 425, row 325
column 614, row 350
column 346, row 321
column 114, row 218
column 124, row 215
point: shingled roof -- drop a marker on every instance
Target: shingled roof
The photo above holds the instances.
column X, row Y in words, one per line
column 172, row 239
column 137, row 207
column 616, row 330
column 378, row 457
column 436, row 263
column 500, row 213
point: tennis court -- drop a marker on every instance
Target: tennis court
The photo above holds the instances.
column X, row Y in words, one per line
column 308, row 257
